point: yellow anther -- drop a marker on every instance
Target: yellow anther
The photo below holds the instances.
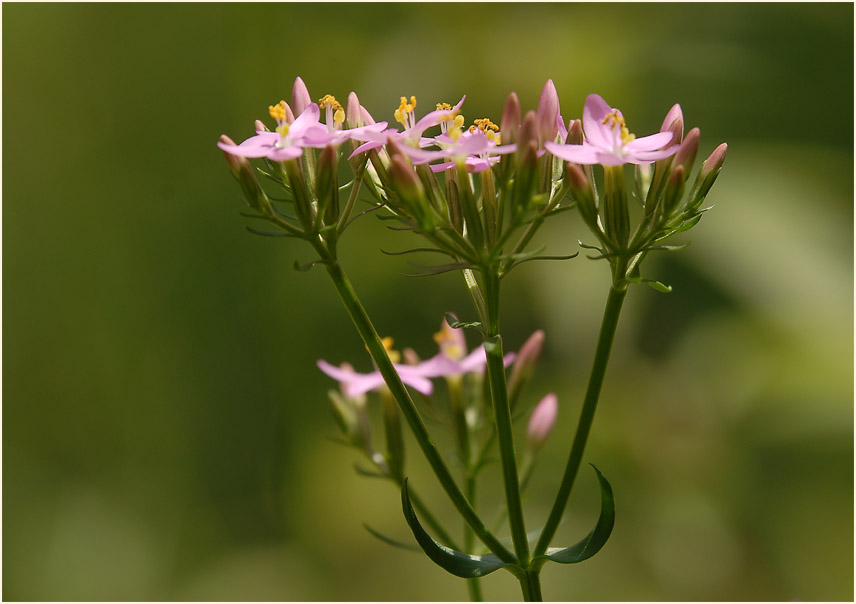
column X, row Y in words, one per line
column 444, row 107
column 614, row 120
column 277, row 111
column 484, row 124
column 329, row 100
column 394, row 355
column 406, row 107
column 339, row 116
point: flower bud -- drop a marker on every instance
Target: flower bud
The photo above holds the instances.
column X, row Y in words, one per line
column 367, row 117
column 300, row 98
column 352, row 112
column 707, row 176
column 541, row 421
column 524, row 366
column 575, row 133
column 686, row 154
column 674, row 190
column 510, row 123
column 581, row 191
column 260, row 126
column 528, row 133
column 410, row 190
column 243, row 172
column 548, row 112
column 674, row 122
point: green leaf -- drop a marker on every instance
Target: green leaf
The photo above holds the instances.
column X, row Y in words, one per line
column 453, row 322
column 660, row 287
column 389, row 540
column 596, row 539
column 456, row 563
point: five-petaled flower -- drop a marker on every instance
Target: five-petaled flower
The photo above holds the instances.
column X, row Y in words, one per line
column 288, row 141
column 609, row 142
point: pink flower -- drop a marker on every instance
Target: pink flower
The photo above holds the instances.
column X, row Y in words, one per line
column 413, row 129
column 542, row 420
column 609, row 142
column 289, row 139
column 354, row 384
column 478, row 150
column 452, row 360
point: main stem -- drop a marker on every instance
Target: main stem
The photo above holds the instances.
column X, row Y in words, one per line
column 601, row 358
column 378, row 353
column 502, row 414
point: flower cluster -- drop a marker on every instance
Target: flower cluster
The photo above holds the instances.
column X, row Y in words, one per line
column 476, row 193
column 499, row 181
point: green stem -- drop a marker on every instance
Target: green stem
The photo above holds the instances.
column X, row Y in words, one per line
column 502, row 414
column 532, row 586
column 601, row 358
column 370, row 338
column 473, row 585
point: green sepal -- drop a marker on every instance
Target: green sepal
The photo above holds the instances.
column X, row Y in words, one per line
column 454, row 562
column 595, row 540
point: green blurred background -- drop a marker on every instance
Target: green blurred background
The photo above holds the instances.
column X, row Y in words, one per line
column 165, row 430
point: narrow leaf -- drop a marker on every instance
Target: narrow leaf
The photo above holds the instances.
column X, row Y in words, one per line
column 453, row 322
column 596, row 539
column 456, row 563
column 389, row 540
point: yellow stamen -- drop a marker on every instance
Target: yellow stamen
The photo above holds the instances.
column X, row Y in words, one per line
column 458, row 122
column 277, row 111
column 444, row 106
column 394, row 355
column 329, row 100
column 614, row 120
column 484, row 124
column 404, row 108
column 339, row 116
column 282, row 130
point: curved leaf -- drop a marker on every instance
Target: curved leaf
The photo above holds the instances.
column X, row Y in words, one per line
column 596, row 539
column 389, row 540
column 460, row 565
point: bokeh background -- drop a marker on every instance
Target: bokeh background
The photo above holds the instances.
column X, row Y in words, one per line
column 166, row 435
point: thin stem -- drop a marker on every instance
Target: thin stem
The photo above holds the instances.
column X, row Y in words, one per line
column 502, row 414
column 370, row 338
column 601, row 358
column 473, row 585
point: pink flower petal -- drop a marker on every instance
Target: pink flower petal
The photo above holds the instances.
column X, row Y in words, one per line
column 578, row 154
column 653, row 142
column 594, row 112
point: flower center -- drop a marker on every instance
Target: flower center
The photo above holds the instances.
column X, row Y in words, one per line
column 449, row 343
column 615, row 122
column 404, row 113
column 335, row 113
column 278, row 113
column 490, row 129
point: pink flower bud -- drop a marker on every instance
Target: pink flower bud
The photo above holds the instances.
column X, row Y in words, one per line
column 548, row 111
column 714, row 163
column 352, row 111
column 524, row 366
column 674, row 122
column 300, row 98
column 510, row 123
column 234, row 162
column 686, row 154
column 575, row 133
column 259, row 126
column 542, row 420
